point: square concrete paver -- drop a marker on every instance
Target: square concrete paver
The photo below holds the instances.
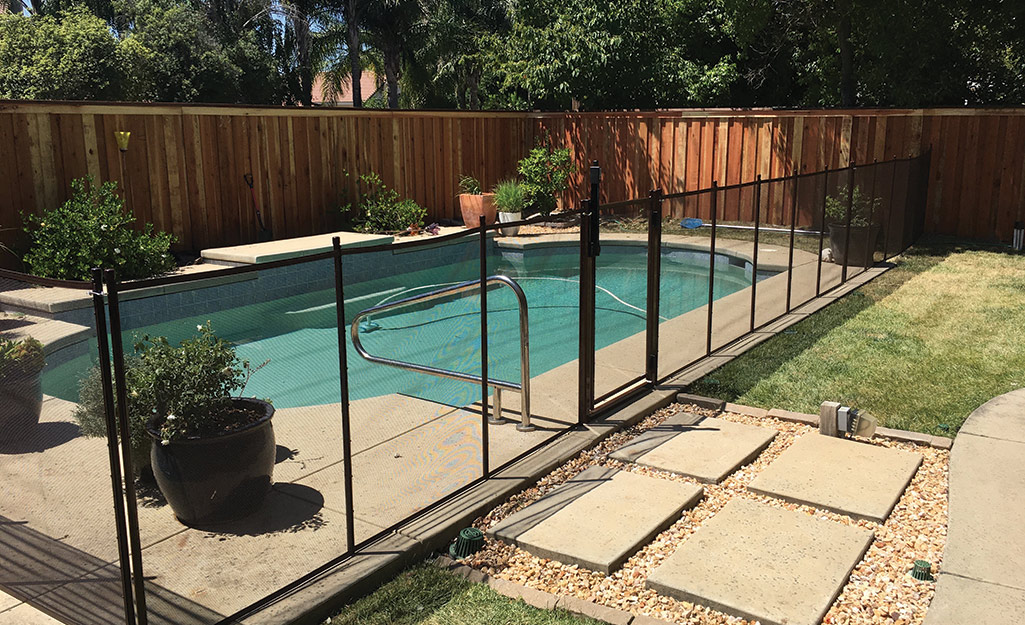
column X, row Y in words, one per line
column 599, row 518
column 707, row 450
column 763, row 563
column 857, row 479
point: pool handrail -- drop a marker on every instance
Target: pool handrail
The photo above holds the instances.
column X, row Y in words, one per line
column 471, row 285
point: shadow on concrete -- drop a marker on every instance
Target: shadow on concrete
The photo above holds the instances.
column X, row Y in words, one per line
column 46, row 436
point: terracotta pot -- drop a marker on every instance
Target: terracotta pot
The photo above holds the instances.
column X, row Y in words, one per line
column 212, row 480
column 473, row 206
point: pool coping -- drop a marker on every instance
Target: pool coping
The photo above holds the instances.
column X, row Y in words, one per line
column 423, row 535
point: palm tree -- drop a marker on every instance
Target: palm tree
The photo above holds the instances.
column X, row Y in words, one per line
column 395, row 28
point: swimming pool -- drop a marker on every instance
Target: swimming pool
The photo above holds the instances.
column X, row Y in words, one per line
column 298, row 333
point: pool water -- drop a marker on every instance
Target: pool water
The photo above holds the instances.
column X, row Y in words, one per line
column 298, row 334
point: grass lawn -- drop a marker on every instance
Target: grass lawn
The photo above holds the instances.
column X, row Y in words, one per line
column 426, row 595
column 920, row 347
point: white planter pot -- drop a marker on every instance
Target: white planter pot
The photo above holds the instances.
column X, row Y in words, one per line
column 505, row 218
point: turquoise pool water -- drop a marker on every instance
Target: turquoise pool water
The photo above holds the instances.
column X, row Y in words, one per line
column 298, row 335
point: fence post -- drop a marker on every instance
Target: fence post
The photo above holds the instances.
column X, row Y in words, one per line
column 870, row 253
column 847, row 223
column 823, row 226
column 754, row 258
column 343, row 380
column 485, row 451
column 589, row 250
column 793, row 226
column 654, row 281
column 711, row 266
column 121, row 392
column 116, row 482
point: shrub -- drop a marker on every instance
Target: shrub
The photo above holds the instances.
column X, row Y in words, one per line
column 863, row 207
column 382, row 210
column 469, row 185
column 187, row 387
column 510, row 196
column 19, row 358
column 92, row 229
column 545, row 174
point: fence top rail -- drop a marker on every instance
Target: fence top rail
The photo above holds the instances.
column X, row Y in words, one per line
column 183, row 108
column 41, row 281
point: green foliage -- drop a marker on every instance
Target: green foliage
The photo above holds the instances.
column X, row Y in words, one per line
column 92, row 229
column 186, row 389
column 863, row 207
column 469, row 185
column 510, row 196
column 20, row 357
column 545, row 173
column 70, row 57
column 382, row 210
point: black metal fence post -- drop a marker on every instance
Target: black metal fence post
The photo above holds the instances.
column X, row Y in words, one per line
column 793, row 225
column 485, row 450
column 654, row 281
column 589, row 250
column 711, row 265
column 121, row 393
column 870, row 253
column 343, row 380
column 823, row 226
column 889, row 213
column 847, row 223
column 754, row 257
column 103, row 349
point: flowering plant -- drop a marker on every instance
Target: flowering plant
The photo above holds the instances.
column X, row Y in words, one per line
column 93, row 229
column 184, row 389
column 20, row 357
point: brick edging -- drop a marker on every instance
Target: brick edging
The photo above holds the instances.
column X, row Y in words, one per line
column 936, row 442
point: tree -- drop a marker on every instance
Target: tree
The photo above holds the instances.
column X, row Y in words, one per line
column 73, row 56
column 395, row 28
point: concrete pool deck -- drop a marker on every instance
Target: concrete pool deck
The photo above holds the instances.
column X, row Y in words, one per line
column 195, row 573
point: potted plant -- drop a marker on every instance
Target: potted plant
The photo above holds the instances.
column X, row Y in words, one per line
column 545, row 172
column 509, row 199
column 473, row 202
column 213, row 452
column 21, row 393
column 857, row 247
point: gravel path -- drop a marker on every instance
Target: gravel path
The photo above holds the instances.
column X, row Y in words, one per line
column 880, row 591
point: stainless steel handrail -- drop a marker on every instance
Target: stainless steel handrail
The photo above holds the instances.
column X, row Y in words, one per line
column 472, row 285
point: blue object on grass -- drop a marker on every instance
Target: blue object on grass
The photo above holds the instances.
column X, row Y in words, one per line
column 691, row 222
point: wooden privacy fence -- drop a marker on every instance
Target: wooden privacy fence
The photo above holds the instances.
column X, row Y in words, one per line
column 184, row 168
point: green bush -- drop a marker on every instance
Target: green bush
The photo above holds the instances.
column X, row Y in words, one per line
column 20, row 358
column 187, row 387
column 863, row 207
column 545, row 174
column 381, row 210
column 469, row 185
column 510, row 196
column 92, row 229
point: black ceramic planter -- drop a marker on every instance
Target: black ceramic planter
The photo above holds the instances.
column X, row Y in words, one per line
column 21, row 400
column 210, row 481
column 862, row 244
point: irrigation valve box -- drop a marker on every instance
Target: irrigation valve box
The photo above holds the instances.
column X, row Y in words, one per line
column 843, row 421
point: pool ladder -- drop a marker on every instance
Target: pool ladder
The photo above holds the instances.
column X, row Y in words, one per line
column 499, row 385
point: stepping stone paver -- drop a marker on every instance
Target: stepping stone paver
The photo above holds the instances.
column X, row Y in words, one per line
column 706, row 449
column 857, row 479
column 763, row 563
column 599, row 518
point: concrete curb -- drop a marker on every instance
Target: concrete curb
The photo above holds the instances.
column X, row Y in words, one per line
column 936, row 442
